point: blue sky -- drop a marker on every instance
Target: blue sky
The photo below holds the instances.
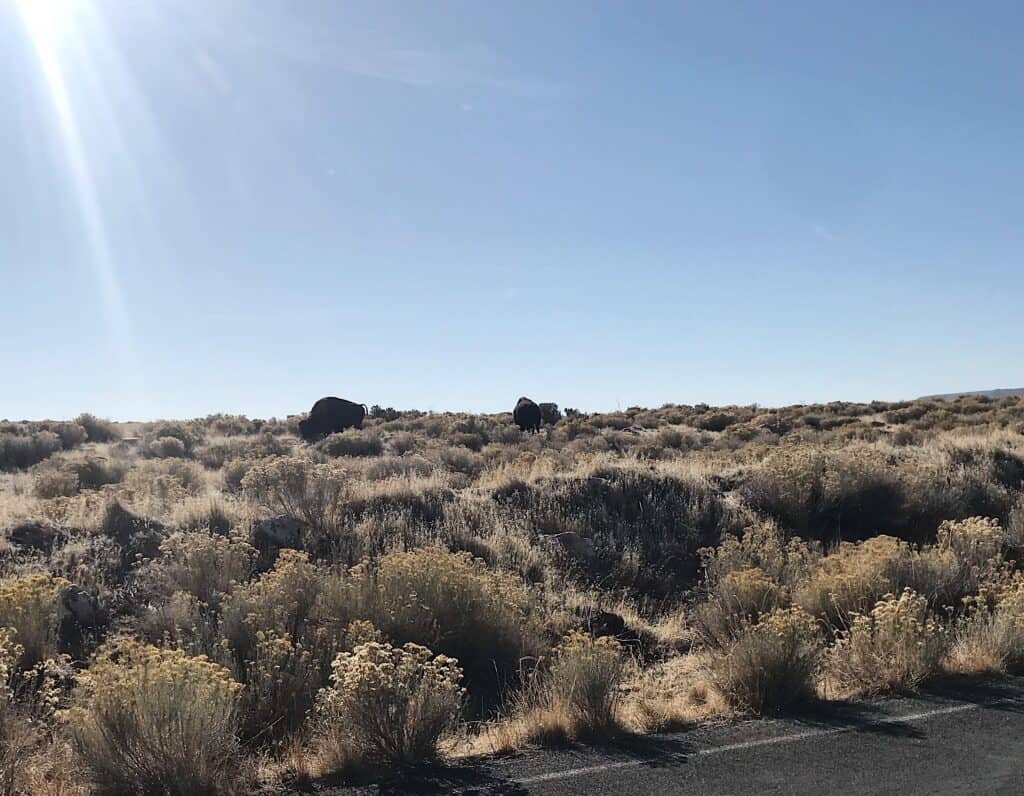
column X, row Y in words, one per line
column 242, row 206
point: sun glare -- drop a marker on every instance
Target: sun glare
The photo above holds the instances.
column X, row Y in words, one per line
column 47, row 23
column 45, row 18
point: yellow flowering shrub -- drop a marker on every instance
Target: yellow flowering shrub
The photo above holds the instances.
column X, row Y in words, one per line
column 206, row 565
column 893, row 648
column 736, row 601
column 12, row 737
column 976, row 539
column 10, row 653
column 853, row 578
column 390, row 704
column 772, row 665
column 281, row 601
column 281, row 682
column 976, row 545
column 785, row 559
column 151, row 720
column 450, row 602
column 29, row 605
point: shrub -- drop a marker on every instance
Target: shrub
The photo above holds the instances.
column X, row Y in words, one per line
column 893, row 648
column 822, row 493
column 580, row 694
column 402, row 443
column 772, row 665
column 11, row 752
column 352, row 443
column 786, row 560
column 204, row 565
column 461, row 460
column 449, row 602
column 277, row 646
column 186, row 434
column 654, row 523
column 54, row 482
column 164, row 483
column 987, row 640
column 66, row 476
column 149, row 720
column 21, row 451
column 233, row 473
column 736, row 601
column 71, row 434
column 717, row 421
column 281, row 682
column 390, row 705
column 310, row 493
column 977, row 543
column 29, row 605
column 281, row 601
column 167, row 448
column 98, row 430
column 853, row 578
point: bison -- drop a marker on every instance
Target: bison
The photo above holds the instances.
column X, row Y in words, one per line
column 330, row 415
column 526, row 415
column 549, row 413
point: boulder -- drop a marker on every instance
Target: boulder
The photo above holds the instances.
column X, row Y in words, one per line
column 35, row 535
column 575, row 546
column 79, row 614
column 137, row 536
column 277, row 532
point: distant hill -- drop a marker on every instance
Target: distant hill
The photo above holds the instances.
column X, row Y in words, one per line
column 1005, row 392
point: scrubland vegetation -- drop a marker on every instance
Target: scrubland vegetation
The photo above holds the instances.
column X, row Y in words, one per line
column 213, row 606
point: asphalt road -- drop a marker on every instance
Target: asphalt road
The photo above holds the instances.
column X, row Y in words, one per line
column 964, row 739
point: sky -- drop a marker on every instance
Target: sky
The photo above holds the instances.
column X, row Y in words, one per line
column 243, row 205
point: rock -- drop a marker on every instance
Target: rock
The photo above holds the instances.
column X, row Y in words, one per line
column 600, row 624
column 36, row 535
column 577, row 547
column 79, row 614
column 79, row 606
column 135, row 535
column 278, row 532
column 605, row 623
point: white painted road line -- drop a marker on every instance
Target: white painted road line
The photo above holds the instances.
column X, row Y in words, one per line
column 736, row 747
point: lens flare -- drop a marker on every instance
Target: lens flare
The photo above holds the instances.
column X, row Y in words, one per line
column 47, row 23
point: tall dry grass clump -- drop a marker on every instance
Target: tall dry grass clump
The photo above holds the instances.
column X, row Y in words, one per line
column 578, row 697
column 387, row 705
column 989, row 636
column 772, row 665
column 150, row 720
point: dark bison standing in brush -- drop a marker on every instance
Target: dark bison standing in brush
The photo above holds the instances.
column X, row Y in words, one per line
column 526, row 415
column 329, row 415
column 549, row 413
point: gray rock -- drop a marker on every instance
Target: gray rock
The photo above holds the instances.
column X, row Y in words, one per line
column 35, row 535
column 278, row 532
column 572, row 544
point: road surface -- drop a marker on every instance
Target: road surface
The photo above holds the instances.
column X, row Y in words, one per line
column 965, row 739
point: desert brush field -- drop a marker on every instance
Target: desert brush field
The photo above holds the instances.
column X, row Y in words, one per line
column 216, row 606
